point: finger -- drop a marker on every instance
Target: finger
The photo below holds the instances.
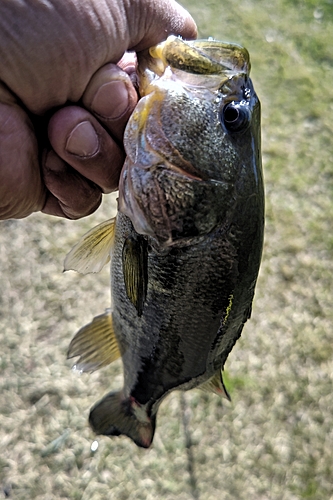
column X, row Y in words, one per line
column 111, row 96
column 128, row 63
column 81, row 141
column 69, row 193
column 21, row 188
column 50, row 61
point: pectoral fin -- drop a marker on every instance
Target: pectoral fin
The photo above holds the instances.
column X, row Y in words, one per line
column 95, row 343
column 135, row 270
column 92, row 252
column 215, row 384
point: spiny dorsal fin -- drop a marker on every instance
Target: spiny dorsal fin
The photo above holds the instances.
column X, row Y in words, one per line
column 135, row 270
column 95, row 343
column 92, row 252
column 215, row 384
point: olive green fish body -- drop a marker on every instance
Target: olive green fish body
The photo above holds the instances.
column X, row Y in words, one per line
column 198, row 299
column 187, row 240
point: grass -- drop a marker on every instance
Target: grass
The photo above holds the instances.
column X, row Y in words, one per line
column 275, row 440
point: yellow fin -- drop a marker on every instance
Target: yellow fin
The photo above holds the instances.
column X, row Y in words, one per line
column 135, row 270
column 92, row 252
column 215, row 384
column 95, row 343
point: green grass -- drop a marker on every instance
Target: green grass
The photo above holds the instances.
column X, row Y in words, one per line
column 275, row 440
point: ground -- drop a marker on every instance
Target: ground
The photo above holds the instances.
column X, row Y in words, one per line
column 275, row 440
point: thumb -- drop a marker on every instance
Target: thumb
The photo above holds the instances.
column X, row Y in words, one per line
column 151, row 21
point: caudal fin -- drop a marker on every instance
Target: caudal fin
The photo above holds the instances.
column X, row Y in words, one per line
column 115, row 415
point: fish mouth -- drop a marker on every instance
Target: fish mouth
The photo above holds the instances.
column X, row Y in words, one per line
column 145, row 129
column 142, row 196
column 203, row 62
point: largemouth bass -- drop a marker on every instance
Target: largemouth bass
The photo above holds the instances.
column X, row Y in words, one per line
column 187, row 240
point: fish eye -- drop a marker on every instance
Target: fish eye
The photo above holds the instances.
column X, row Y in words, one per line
column 236, row 116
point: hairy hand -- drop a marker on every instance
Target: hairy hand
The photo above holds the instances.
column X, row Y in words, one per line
column 66, row 95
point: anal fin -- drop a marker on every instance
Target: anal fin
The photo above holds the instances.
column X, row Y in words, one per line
column 216, row 385
column 95, row 343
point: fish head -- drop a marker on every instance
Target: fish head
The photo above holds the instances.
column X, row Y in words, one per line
column 192, row 142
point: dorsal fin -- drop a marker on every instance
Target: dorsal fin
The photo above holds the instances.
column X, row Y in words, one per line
column 135, row 270
column 92, row 251
column 216, row 385
column 95, row 343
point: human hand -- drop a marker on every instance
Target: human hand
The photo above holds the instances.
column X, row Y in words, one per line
column 64, row 102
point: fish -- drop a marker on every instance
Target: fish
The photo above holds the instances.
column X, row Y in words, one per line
column 186, row 244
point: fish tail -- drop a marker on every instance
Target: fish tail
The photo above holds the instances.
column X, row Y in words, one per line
column 115, row 415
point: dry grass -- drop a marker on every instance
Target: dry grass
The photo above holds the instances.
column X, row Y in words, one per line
column 275, row 441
